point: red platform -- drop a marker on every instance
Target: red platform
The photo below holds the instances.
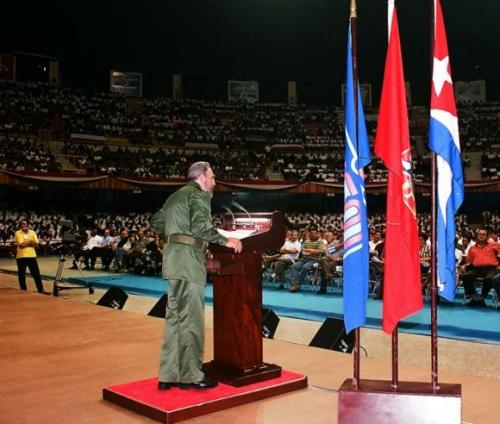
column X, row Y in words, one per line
column 171, row 406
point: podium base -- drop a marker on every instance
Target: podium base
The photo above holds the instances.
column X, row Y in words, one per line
column 171, row 406
column 377, row 402
column 238, row 378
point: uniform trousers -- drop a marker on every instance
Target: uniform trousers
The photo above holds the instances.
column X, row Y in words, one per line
column 181, row 355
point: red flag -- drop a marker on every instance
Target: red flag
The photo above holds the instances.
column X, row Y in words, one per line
column 402, row 290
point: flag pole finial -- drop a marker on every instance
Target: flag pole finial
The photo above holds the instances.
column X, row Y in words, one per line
column 353, row 9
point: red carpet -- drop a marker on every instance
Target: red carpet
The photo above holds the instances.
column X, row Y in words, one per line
column 176, row 404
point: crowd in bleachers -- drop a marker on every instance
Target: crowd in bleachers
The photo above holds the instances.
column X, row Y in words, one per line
column 26, row 155
column 478, row 124
column 490, row 165
column 166, row 163
column 26, row 108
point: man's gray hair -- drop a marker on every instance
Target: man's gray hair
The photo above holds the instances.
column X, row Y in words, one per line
column 198, row 168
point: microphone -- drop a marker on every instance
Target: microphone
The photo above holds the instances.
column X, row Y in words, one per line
column 226, row 208
column 241, row 208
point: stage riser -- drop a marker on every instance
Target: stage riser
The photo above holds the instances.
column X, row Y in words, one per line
column 413, row 402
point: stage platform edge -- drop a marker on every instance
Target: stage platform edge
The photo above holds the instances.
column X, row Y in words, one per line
column 174, row 405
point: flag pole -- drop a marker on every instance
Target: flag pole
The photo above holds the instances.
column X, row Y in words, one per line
column 434, row 330
column 353, row 21
column 407, row 401
column 394, row 338
column 395, row 376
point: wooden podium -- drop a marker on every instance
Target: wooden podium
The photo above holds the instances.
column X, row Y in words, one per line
column 238, row 358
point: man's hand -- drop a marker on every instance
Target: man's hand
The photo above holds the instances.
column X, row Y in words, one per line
column 234, row 243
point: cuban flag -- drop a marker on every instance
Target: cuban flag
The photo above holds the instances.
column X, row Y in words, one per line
column 356, row 250
column 444, row 141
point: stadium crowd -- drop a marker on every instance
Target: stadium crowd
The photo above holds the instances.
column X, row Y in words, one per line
column 312, row 251
column 24, row 155
column 312, row 137
column 49, row 227
column 106, row 134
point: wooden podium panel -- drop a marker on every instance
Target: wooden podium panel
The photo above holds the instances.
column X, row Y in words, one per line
column 238, row 358
column 377, row 402
column 239, row 317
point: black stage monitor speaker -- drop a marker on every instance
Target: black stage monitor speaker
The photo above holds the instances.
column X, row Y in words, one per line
column 160, row 308
column 331, row 335
column 114, row 298
column 269, row 323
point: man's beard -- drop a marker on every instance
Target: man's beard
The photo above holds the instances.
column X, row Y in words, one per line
column 208, row 190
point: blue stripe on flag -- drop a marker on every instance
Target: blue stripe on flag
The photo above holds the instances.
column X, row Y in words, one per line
column 356, row 251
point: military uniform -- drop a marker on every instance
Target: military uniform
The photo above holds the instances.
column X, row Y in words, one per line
column 186, row 222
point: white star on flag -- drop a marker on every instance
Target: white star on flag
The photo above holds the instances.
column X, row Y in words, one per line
column 441, row 74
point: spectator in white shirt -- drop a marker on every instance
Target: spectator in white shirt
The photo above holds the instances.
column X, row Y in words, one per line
column 290, row 252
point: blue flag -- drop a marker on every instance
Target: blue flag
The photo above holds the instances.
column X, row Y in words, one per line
column 356, row 249
column 444, row 141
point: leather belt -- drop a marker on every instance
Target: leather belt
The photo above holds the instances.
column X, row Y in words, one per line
column 185, row 239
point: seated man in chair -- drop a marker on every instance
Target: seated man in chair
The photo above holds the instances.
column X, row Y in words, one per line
column 333, row 258
column 312, row 251
column 481, row 262
column 290, row 252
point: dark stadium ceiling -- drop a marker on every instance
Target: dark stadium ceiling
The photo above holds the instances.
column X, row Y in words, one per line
column 271, row 40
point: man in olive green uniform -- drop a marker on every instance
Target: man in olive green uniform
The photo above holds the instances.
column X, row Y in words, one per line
column 186, row 222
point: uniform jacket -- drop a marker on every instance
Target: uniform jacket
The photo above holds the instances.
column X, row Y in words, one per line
column 187, row 212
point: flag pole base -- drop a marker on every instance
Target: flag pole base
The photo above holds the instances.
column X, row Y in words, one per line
column 377, row 402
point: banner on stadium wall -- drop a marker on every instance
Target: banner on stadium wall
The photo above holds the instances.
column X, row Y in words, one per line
column 259, row 185
column 263, row 185
column 470, row 91
column 243, row 91
column 7, row 67
column 126, row 83
column 366, row 94
column 158, row 182
column 54, row 177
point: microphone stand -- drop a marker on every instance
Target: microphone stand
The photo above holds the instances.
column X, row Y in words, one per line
column 232, row 216
column 241, row 208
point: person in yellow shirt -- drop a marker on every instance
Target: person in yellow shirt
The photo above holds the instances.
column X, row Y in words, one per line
column 26, row 241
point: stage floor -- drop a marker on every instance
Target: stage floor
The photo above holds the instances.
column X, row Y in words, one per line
column 57, row 354
column 454, row 355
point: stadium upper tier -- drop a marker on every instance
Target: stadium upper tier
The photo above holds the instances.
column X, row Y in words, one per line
column 159, row 136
